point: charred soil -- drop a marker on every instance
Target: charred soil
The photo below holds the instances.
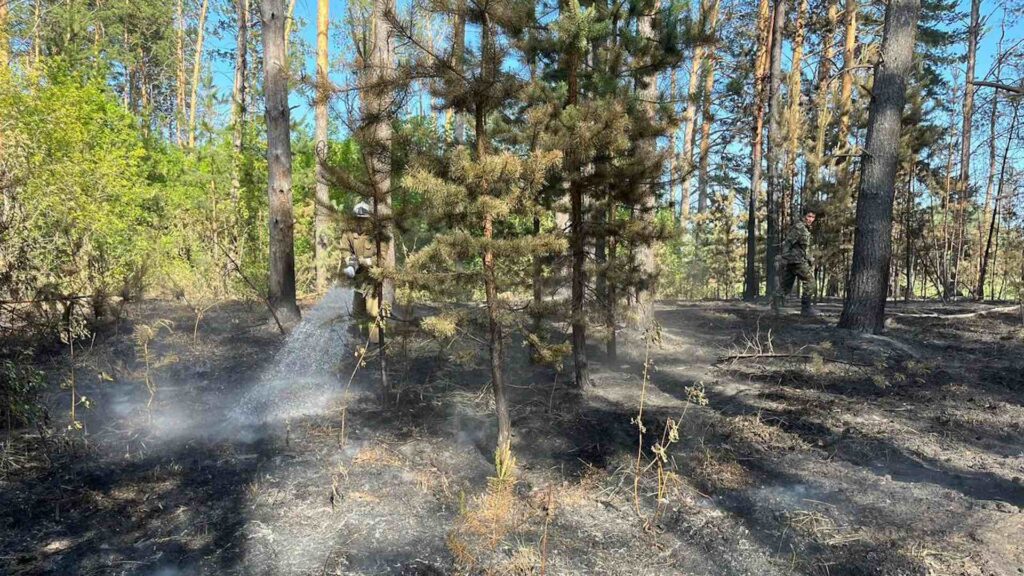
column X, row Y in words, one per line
column 771, row 445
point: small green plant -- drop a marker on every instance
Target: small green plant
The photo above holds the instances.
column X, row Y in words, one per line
column 144, row 336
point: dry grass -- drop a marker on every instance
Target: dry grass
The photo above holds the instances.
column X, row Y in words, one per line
column 751, row 430
column 376, row 455
column 821, row 528
column 720, row 471
column 525, row 561
column 483, row 524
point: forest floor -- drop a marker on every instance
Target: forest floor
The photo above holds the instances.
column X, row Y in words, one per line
column 818, row 452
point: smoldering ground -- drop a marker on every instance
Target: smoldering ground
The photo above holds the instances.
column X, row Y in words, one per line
column 253, row 458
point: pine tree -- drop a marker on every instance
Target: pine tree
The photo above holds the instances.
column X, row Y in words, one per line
column 864, row 308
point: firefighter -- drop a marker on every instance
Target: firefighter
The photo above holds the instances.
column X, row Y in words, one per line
column 358, row 255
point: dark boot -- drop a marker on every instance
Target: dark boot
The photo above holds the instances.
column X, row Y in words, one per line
column 806, row 309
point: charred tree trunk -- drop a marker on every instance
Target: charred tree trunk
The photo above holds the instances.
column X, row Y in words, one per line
column 864, row 308
column 279, row 164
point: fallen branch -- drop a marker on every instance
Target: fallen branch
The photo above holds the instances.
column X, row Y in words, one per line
column 266, row 300
column 735, row 357
column 996, row 310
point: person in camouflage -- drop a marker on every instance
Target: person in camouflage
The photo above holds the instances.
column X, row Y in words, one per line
column 796, row 262
column 358, row 255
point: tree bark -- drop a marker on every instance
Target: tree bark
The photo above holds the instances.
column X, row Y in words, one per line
column 999, row 195
column 751, row 288
column 846, row 85
column 279, row 164
column 197, row 66
column 822, row 112
column 322, row 198
column 794, row 118
column 179, row 109
column 577, row 230
column 5, row 37
column 991, row 162
column 774, row 139
column 645, row 260
column 495, row 336
column 377, row 94
column 706, row 115
column 458, row 55
column 238, row 104
column 864, row 308
column 689, row 124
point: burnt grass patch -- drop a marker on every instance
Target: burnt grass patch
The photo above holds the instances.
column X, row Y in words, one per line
column 827, row 454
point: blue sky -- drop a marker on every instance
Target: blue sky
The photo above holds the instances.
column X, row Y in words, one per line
column 304, row 33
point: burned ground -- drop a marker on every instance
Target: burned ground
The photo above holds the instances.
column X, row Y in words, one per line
column 817, row 452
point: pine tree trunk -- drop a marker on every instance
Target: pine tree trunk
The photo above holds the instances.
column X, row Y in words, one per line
column 238, row 112
column 288, row 28
column 963, row 189
column 322, row 201
column 673, row 89
column 686, row 164
column 822, row 112
column 751, row 288
column 5, row 39
column 846, row 86
column 458, row 55
column 495, row 339
column 279, row 164
column 774, row 141
column 577, row 239
column 864, row 308
column 794, row 118
column 985, row 216
column 999, row 194
column 376, row 95
column 645, row 261
column 197, row 66
column 179, row 110
column 706, row 115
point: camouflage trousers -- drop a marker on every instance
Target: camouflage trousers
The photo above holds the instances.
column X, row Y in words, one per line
column 791, row 271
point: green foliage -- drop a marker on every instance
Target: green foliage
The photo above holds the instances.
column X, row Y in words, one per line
column 21, row 384
column 80, row 209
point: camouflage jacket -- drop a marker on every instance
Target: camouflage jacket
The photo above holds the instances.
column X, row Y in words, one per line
column 796, row 248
